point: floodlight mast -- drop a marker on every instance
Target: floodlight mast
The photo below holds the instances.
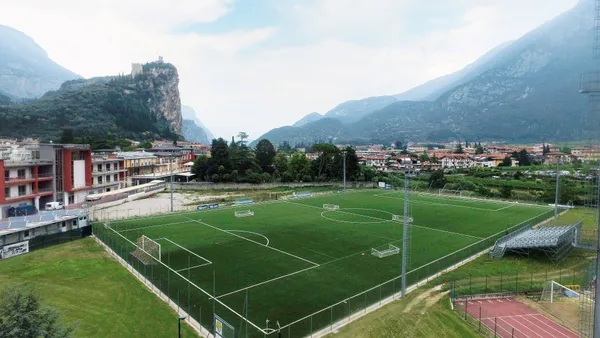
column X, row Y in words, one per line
column 406, row 221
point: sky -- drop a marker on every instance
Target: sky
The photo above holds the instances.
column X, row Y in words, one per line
column 254, row 65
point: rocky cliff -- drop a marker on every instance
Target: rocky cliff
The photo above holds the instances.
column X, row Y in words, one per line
column 145, row 106
column 161, row 82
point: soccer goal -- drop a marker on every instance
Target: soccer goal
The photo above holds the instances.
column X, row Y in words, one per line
column 331, row 207
column 449, row 192
column 391, row 250
column 554, row 292
column 244, row 213
column 147, row 250
column 400, row 218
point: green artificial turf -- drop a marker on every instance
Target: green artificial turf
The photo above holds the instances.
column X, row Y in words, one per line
column 294, row 258
column 89, row 288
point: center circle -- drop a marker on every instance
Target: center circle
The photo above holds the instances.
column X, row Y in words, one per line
column 384, row 217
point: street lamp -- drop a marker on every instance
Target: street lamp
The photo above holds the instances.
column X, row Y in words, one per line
column 179, row 319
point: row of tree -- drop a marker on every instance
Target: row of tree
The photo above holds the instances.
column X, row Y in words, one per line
column 236, row 162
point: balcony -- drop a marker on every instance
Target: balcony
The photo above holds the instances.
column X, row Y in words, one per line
column 106, row 172
column 28, row 178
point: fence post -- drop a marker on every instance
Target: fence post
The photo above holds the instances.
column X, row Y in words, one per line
column 479, row 328
column 495, row 326
column 466, row 306
column 485, row 290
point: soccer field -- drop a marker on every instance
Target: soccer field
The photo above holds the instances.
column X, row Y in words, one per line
column 293, row 258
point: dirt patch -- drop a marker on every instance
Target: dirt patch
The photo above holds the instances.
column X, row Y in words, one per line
column 424, row 297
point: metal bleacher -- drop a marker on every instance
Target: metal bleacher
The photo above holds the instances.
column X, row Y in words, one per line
column 555, row 242
column 41, row 217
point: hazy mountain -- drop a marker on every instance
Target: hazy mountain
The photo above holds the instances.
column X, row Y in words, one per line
column 352, row 111
column 431, row 90
column 307, row 119
column 188, row 113
column 524, row 91
column 25, row 69
column 193, row 133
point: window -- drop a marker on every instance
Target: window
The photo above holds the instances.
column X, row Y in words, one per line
column 36, row 154
column 26, row 233
column 99, row 167
column 99, row 179
column 108, row 179
column 22, row 190
column 64, row 224
column 107, row 166
column 116, row 178
column 115, row 166
column 7, row 192
column 21, row 173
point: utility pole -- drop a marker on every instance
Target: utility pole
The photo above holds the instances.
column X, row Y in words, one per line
column 171, row 165
column 405, row 236
column 557, row 188
column 344, row 153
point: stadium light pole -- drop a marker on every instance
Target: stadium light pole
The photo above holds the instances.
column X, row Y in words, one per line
column 171, row 165
column 557, row 188
column 405, row 233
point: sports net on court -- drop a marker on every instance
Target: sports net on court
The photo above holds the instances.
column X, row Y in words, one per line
column 147, row 250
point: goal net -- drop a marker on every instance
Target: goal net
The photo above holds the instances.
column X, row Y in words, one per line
column 331, row 207
column 244, row 213
column 147, row 250
column 391, row 250
column 400, row 218
column 555, row 292
column 449, row 192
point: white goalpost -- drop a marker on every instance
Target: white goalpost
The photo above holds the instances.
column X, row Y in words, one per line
column 244, row 213
column 147, row 250
column 391, row 250
column 400, row 218
column 331, row 207
column 554, row 292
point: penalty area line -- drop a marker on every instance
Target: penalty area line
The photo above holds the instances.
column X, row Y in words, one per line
column 184, row 248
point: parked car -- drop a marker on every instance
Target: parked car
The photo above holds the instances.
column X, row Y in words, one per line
column 54, row 206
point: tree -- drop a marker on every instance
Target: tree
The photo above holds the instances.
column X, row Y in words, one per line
column 524, row 158
column 265, row 154
column 67, row 136
column 398, row 144
column 326, row 153
column 518, row 175
column 298, row 165
column 22, row 315
column 220, row 158
column 285, row 147
column 424, row 157
column 506, row 191
column 459, row 149
column 242, row 135
column 479, row 149
column 507, row 162
column 437, row 179
column 352, row 167
column 201, row 166
column 145, row 145
column 281, row 162
column 566, row 150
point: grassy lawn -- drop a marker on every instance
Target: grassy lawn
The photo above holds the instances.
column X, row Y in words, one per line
column 86, row 286
column 436, row 319
column 293, row 258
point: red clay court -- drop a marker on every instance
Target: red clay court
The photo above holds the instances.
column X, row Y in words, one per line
column 511, row 318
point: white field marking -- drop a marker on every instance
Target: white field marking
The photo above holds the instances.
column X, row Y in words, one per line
column 545, row 325
column 319, row 253
column 251, row 232
column 381, row 220
column 255, row 242
column 510, row 316
column 193, row 267
column 440, row 204
column 506, row 207
column 352, row 222
column 184, row 248
column 210, row 296
column 411, row 271
column 267, row 281
column 153, row 226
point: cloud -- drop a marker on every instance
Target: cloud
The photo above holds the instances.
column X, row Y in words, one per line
column 306, row 56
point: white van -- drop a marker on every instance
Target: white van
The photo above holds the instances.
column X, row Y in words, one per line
column 54, row 206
